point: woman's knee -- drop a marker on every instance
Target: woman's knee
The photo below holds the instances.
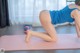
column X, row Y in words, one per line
column 52, row 40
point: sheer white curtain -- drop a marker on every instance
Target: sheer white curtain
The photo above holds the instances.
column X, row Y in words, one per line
column 21, row 11
column 61, row 4
column 27, row 11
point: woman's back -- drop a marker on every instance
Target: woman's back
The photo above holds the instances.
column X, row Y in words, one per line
column 63, row 15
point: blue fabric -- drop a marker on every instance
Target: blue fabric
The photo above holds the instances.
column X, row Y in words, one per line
column 61, row 16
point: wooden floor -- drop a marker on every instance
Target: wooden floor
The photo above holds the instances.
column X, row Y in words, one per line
column 18, row 30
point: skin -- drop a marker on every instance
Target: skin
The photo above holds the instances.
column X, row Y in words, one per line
column 50, row 32
column 76, row 15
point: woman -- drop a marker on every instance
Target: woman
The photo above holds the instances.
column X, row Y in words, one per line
column 48, row 18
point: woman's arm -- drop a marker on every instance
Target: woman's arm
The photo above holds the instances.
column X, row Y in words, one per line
column 76, row 16
column 77, row 30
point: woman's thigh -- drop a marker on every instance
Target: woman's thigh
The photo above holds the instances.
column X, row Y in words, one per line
column 45, row 20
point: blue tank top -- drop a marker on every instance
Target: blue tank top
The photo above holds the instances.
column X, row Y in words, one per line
column 62, row 16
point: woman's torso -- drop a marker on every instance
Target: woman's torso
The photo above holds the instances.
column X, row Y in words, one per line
column 64, row 15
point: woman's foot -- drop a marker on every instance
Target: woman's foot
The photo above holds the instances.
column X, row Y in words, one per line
column 28, row 35
column 26, row 28
column 27, row 32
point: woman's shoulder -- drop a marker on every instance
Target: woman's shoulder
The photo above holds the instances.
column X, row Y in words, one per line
column 72, row 6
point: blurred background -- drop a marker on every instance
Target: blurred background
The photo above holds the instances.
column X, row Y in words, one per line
column 27, row 11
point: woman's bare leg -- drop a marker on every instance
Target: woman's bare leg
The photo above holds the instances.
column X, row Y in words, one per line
column 50, row 34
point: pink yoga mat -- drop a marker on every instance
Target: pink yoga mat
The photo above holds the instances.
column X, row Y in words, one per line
column 17, row 42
